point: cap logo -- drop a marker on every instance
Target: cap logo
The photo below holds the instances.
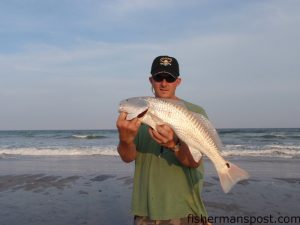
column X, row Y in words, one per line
column 166, row 61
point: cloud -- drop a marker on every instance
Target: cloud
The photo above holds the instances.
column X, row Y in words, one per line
column 233, row 60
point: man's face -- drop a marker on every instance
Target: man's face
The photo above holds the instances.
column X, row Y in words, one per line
column 163, row 88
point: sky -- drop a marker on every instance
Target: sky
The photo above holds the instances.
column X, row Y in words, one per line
column 66, row 64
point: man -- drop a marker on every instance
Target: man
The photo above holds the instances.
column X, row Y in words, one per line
column 167, row 179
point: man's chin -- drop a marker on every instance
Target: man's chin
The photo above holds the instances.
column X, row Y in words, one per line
column 164, row 95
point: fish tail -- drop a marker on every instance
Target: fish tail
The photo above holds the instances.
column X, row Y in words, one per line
column 230, row 174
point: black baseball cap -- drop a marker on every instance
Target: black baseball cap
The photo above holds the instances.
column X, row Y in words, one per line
column 165, row 65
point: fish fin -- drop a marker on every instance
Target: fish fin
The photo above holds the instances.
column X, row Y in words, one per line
column 152, row 121
column 197, row 155
column 230, row 174
column 131, row 116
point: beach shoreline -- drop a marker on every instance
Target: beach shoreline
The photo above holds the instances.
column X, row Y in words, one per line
column 97, row 190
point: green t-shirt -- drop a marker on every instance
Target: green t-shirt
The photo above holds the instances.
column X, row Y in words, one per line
column 163, row 188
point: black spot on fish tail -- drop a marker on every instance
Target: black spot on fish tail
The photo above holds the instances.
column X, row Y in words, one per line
column 228, row 165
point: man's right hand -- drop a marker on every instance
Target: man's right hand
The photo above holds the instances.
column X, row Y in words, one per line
column 128, row 129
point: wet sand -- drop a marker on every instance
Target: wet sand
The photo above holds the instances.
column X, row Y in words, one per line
column 97, row 190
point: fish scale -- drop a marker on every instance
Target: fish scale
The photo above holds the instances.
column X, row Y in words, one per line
column 193, row 129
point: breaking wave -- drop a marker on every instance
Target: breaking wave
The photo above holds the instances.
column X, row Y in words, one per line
column 93, row 136
column 276, row 151
column 107, row 150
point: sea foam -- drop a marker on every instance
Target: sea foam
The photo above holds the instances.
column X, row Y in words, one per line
column 107, row 150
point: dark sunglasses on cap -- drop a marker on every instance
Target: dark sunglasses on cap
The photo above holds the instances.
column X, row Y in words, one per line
column 161, row 77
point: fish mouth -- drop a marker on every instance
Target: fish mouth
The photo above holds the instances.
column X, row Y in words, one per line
column 121, row 109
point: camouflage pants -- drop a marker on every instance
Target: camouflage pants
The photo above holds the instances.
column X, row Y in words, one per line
column 143, row 220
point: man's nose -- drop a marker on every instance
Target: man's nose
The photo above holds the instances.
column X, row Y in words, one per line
column 164, row 82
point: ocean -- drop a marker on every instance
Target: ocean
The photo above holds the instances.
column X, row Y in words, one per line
column 76, row 177
column 245, row 143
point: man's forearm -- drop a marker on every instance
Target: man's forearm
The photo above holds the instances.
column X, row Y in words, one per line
column 127, row 151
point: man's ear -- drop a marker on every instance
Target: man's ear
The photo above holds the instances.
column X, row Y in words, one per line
column 151, row 80
column 178, row 81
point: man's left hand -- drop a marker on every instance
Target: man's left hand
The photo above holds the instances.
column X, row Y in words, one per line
column 164, row 135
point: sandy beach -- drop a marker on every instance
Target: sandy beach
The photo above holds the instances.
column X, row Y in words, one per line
column 96, row 190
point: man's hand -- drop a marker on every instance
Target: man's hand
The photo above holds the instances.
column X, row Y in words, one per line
column 164, row 135
column 128, row 129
